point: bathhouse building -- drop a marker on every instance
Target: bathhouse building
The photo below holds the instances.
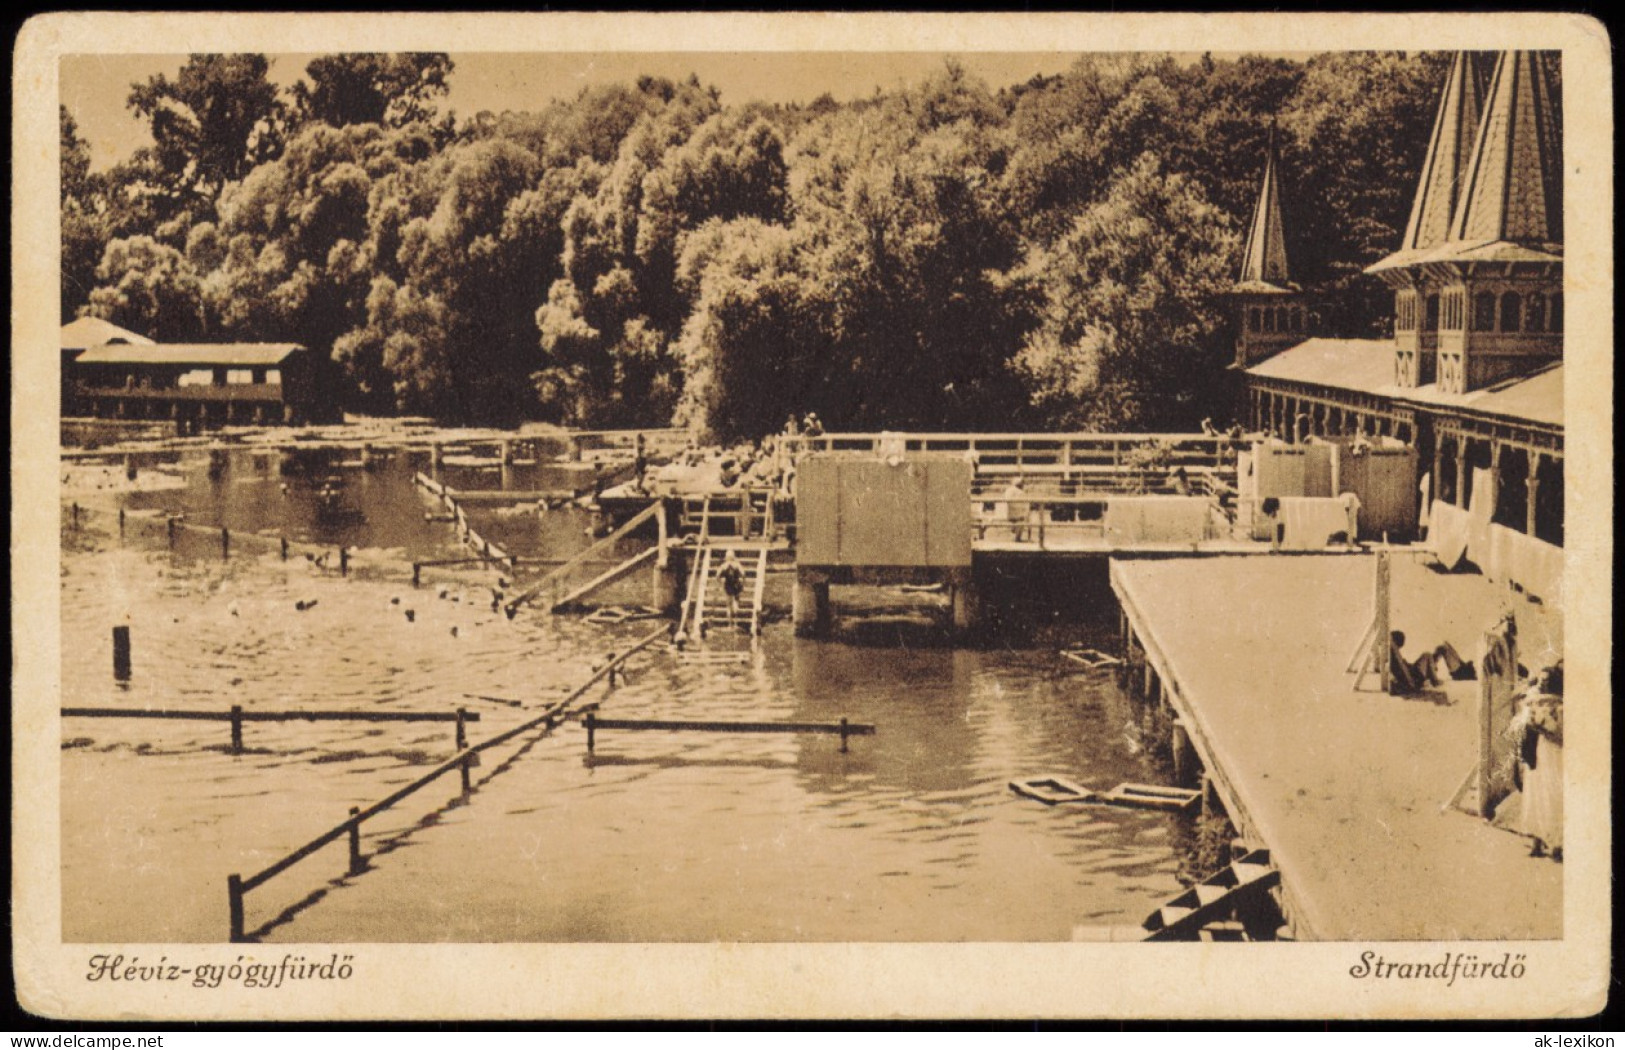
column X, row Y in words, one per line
column 203, row 384
column 1473, row 376
column 80, row 335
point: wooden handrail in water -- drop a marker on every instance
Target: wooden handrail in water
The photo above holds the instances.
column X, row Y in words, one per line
column 237, row 716
column 272, row 716
column 625, row 530
column 237, row 886
column 605, row 578
column 843, row 728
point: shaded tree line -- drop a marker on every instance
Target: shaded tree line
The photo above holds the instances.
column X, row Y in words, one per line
column 939, row 255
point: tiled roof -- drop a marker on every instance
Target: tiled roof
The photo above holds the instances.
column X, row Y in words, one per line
column 1367, row 366
column 1504, row 199
column 223, row 354
column 1450, row 151
column 93, row 331
column 1515, row 183
column 1349, row 364
column 1264, row 261
column 1538, row 398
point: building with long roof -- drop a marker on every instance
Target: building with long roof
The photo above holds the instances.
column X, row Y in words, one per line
column 1473, row 376
column 200, row 385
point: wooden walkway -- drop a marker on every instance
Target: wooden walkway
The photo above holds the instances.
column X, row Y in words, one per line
column 1346, row 789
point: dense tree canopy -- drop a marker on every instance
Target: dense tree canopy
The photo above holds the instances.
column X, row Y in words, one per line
column 392, row 90
column 935, row 255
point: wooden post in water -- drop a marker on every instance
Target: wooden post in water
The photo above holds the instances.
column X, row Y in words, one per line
column 344, row 560
column 284, row 544
column 121, row 522
column 591, row 723
column 843, row 736
column 234, row 899
column 121, row 652
column 76, row 514
column 417, row 573
column 462, row 745
column 225, row 543
column 357, row 863
column 169, row 527
column 1179, row 742
column 236, row 729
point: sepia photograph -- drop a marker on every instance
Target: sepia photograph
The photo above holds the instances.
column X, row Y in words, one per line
column 1066, row 518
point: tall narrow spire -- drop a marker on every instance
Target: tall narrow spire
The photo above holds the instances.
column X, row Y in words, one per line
column 1514, row 189
column 1450, row 152
column 1265, row 258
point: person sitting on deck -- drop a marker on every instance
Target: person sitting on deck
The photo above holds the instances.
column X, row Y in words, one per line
column 1182, row 482
column 1434, row 668
column 1017, row 508
column 732, row 575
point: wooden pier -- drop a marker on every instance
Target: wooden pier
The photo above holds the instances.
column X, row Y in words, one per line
column 1347, row 788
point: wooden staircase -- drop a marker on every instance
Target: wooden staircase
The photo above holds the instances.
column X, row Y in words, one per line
column 1206, row 910
column 706, row 605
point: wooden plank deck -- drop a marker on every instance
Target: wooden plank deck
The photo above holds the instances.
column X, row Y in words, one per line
column 1345, row 788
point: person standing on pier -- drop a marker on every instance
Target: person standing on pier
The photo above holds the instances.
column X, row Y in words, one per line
column 1538, row 728
column 1017, row 508
column 640, row 463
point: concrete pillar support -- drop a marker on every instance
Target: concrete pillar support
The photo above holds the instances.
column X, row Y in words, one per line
column 810, row 609
column 668, row 580
column 1532, row 491
column 966, row 604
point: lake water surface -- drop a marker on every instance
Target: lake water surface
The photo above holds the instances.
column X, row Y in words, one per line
column 911, row 835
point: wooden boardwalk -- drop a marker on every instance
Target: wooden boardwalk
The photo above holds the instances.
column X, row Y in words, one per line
column 1347, row 789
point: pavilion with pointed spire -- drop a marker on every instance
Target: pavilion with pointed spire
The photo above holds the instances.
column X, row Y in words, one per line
column 1270, row 310
column 1473, row 377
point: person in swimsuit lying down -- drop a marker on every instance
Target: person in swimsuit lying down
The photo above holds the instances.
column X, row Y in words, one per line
column 1437, row 667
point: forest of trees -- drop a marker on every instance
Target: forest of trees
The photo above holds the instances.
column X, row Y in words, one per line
column 937, row 256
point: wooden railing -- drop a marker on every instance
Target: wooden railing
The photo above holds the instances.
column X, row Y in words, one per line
column 266, row 392
column 1052, row 520
column 1016, row 452
column 237, row 887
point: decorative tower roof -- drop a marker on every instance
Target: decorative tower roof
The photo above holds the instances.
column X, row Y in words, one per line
column 1514, row 187
column 1501, row 198
column 1450, row 152
column 1263, row 264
